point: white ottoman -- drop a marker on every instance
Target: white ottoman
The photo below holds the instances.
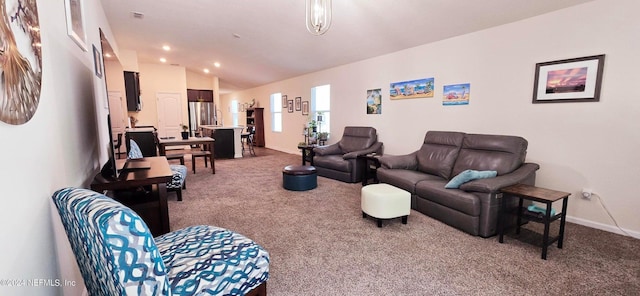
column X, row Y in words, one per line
column 383, row 201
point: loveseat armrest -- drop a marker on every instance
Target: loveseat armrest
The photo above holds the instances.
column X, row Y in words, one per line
column 376, row 147
column 327, row 150
column 493, row 185
column 407, row 162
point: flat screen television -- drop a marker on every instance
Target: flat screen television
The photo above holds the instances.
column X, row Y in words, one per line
column 110, row 169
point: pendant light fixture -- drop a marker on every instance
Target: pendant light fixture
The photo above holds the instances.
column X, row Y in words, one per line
column 318, row 15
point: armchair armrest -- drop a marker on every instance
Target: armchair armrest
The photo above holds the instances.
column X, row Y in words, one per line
column 493, row 185
column 327, row 150
column 407, row 162
column 376, row 147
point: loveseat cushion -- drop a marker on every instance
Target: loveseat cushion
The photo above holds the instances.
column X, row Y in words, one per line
column 438, row 153
column 456, row 199
column 404, row 179
column 498, row 153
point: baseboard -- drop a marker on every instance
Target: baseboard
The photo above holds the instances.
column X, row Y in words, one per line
column 605, row 227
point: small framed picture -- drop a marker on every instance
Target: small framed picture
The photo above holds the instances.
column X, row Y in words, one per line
column 75, row 22
column 290, row 106
column 571, row 80
column 298, row 103
column 305, row 108
column 284, row 101
column 97, row 61
column 241, row 107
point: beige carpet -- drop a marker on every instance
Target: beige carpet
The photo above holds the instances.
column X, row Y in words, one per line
column 320, row 244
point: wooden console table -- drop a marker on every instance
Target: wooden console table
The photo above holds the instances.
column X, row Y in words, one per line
column 542, row 195
column 142, row 190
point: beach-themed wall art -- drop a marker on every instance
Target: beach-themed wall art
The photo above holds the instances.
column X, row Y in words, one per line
column 572, row 80
column 456, row 94
column 20, row 61
column 374, row 101
column 421, row 88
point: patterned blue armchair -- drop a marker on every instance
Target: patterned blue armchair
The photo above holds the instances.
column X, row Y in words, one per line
column 178, row 180
column 118, row 256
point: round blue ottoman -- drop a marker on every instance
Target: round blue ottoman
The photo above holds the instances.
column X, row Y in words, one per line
column 299, row 177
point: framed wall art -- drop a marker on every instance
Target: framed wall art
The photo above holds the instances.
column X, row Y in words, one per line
column 97, row 61
column 412, row 89
column 75, row 22
column 21, row 67
column 571, row 80
column 298, row 103
column 284, row 101
column 305, row 108
column 290, row 106
column 374, row 101
column 456, row 94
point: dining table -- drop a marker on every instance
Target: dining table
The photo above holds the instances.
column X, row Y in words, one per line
column 163, row 143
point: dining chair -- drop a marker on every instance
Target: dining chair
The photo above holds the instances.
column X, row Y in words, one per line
column 178, row 171
column 118, row 145
column 205, row 153
column 172, row 156
column 247, row 139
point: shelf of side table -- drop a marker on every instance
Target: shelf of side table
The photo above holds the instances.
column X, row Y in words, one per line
column 537, row 194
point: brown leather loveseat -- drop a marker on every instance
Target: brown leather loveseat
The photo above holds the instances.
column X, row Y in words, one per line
column 473, row 207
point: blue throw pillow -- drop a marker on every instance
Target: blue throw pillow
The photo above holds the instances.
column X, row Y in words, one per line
column 469, row 175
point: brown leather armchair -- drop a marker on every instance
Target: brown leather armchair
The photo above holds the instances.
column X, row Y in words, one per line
column 340, row 160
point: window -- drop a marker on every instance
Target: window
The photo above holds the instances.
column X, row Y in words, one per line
column 234, row 112
column 276, row 112
column 320, row 106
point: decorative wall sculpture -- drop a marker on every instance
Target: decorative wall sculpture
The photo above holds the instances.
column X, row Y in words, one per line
column 20, row 61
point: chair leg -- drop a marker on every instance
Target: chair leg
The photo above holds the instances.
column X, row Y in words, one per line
column 193, row 164
column 179, row 193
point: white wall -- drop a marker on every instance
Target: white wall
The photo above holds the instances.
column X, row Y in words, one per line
column 154, row 79
column 578, row 145
column 64, row 144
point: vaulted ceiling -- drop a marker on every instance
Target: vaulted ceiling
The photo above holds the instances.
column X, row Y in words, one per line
column 261, row 41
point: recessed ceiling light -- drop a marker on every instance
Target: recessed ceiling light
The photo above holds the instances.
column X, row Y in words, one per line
column 107, row 55
column 166, row 47
column 163, row 60
column 216, row 64
column 206, row 70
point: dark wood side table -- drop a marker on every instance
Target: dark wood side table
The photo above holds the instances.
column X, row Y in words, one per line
column 307, row 153
column 151, row 205
column 537, row 194
column 370, row 165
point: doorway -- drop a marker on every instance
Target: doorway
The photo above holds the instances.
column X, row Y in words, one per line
column 169, row 114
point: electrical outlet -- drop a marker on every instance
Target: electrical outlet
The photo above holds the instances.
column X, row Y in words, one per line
column 587, row 193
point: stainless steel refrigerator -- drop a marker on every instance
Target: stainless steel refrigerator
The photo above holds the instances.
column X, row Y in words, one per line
column 201, row 113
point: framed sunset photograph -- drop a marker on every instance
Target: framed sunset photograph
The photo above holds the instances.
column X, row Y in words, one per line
column 571, row 80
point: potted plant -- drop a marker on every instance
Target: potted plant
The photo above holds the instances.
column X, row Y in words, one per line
column 313, row 125
column 323, row 136
column 185, row 131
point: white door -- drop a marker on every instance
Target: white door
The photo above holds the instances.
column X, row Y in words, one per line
column 117, row 114
column 169, row 114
